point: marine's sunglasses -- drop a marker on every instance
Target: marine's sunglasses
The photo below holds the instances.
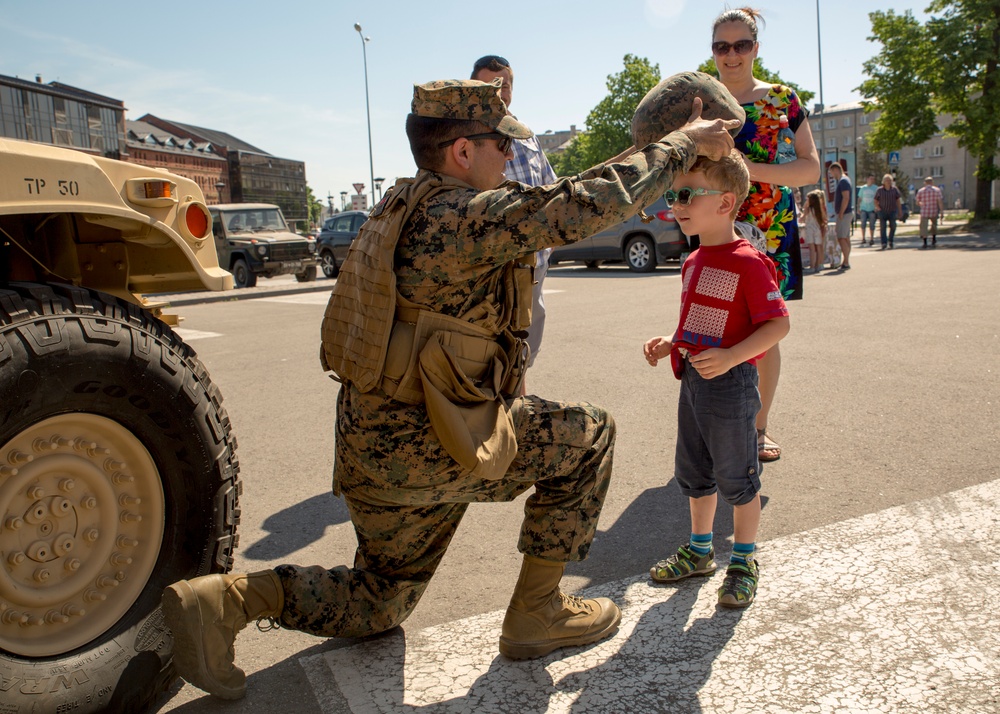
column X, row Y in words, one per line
column 504, row 142
column 685, row 195
column 742, row 47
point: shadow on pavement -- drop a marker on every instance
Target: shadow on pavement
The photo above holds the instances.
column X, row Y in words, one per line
column 298, row 526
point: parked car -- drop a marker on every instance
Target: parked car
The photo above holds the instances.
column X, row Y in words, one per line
column 642, row 246
column 253, row 240
column 336, row 237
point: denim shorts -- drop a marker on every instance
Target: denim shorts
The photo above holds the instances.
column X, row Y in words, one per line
column 716, row 435
column 868, row 218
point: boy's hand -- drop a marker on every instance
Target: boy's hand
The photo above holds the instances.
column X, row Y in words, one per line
column 655, row 349
column 712, row 362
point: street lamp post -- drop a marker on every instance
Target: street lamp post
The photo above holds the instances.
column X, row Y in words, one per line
column 378, row 187
column 329, row 201
column 218, row 187
column 364, row 54
column 343, row 200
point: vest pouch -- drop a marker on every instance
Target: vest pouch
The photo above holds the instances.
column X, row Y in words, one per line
column 468, row 414
column 473, row 347
column 518, row 281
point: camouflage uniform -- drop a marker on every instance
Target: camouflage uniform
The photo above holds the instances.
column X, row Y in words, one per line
column 406, row 495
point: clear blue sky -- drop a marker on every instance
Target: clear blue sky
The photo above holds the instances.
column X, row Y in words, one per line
column 288, row 76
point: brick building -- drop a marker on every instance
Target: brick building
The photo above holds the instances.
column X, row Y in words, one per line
column 199, row 161
column 255, row 176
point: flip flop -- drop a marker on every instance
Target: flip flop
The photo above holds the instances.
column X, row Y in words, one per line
column 767, row 450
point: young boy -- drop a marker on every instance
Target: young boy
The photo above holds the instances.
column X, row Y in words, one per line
column 731, row 314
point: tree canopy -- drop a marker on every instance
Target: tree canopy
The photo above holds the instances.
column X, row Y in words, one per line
column 609, row 124
column 947, row 66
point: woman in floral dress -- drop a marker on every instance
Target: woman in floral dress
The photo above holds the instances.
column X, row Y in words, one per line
column 769, row 206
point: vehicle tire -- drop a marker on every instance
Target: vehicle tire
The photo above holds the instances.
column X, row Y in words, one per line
column 308, row 275
column 640, row 255
column 328, row 262
column 118, row 476
column 592, row 264
column 243, row 277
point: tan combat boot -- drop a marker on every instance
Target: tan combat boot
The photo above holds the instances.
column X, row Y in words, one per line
column 206, row 613
column 541, row 619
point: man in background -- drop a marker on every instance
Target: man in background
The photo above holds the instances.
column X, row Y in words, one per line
column 843, row 194
column 530, row 167
column 931, row 204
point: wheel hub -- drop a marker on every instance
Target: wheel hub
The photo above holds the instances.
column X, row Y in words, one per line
column 81, row 525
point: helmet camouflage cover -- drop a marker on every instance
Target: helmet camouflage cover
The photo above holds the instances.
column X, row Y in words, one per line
column 667, row 106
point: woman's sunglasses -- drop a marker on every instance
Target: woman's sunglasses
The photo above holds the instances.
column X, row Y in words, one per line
column 685, row 195
column 742, row 47
column 504, row 142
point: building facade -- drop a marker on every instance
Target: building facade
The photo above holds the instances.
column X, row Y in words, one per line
column 839, row 133
column 254, row 176
column 59, row 114
column 199, row 161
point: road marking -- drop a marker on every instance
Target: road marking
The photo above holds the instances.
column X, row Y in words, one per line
column 188, row 335
column 889, row 612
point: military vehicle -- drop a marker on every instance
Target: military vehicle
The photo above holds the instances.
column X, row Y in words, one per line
column 253, row 239
column 118, row 468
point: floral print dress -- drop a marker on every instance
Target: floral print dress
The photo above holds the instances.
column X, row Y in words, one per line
column 769, row 207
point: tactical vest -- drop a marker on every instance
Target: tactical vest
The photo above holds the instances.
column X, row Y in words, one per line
column 372, row 336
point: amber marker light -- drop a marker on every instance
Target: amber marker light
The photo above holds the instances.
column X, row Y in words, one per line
column 158, row 189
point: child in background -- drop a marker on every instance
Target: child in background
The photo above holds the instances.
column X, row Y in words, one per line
column 814, row 222
column 731, row 313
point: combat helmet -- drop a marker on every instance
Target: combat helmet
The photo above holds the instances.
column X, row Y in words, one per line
column 667, row 106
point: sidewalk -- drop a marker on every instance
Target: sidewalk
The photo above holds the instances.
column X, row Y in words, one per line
column 890, row 612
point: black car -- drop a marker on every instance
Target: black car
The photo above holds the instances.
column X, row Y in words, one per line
column 335, row 238
column 642, row 246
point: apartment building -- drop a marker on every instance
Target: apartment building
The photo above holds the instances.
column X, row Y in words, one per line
column 839, row 133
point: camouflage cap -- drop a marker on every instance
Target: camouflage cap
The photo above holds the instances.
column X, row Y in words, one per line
column 667, row 106
column 467, row 99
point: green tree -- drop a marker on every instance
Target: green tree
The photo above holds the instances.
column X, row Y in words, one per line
column 763, row 74
column 947, row 66
column 609, row 124
column 315, row 209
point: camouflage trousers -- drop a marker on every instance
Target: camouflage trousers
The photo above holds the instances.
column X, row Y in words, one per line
column 564, row 450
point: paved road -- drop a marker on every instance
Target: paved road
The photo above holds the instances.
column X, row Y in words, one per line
column 880, row 544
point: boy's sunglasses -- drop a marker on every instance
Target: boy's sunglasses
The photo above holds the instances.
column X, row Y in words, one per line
column 488, row 62
column 685, row 195
column 742, row 47
column 504, row 142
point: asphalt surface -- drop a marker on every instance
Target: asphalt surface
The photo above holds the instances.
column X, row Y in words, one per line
column 880, row 545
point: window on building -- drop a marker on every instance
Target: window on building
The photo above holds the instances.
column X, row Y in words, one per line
column 918, row 153
column 847, row 141
column 937, row 151
column 831, row 142
column 831, row 123
column 847, row 120
column 863, row 119
column 937, row 171
column 815, row 126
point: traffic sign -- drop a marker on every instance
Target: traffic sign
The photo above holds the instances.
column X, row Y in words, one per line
column 893, row 158
column 358, row 187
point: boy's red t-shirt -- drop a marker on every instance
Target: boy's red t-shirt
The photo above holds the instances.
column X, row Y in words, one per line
column 727, row 291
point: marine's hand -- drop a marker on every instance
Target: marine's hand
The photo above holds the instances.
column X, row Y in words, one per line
column 711, row 138
column 655, row 349
column 712, row 362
